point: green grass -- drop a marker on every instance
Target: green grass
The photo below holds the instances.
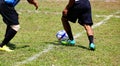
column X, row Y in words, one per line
column 38, row 32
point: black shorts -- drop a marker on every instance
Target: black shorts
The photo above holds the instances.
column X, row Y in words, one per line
column 80, row 11
column 9, row 14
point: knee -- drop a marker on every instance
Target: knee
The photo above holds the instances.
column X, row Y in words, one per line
column 15, row 27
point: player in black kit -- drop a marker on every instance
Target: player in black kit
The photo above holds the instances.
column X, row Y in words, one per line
column 78, row 10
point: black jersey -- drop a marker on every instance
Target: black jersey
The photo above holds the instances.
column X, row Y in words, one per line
column 82, row 3
column 81, row 10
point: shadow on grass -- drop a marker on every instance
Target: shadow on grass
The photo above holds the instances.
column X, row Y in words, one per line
column 83, row 47
column 57, row 43
column 13, row 46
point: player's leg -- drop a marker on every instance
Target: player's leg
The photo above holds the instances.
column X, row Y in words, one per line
column 10, row 33
column 10, row 17
column 7, row 29
column 90, row 35
column 67, row 27
column 68, row 30
column 85, row 19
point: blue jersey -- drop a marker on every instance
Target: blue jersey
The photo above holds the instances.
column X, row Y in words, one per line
column 11, row 2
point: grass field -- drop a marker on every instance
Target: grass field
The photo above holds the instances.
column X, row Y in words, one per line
column 36, row 44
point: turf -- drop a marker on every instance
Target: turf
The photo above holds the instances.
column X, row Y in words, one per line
column 38, row 29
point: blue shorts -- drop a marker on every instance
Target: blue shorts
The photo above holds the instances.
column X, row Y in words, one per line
column 9, row 14
column 82, row 11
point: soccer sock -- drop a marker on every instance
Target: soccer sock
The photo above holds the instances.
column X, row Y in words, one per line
column 9, row 35
column 7, row 29
column 1, row 45
column 70, row 35
column 90, row 37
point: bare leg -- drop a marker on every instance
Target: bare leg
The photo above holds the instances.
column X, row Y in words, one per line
column 88, row 30
column 90, row 35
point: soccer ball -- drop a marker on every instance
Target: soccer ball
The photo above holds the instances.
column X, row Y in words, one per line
column 62, row 35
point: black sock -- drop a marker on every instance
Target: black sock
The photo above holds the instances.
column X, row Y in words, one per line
column 7, row 29
column 9, row 35
column 70, row 35
column 1, row 45
column 91, row 38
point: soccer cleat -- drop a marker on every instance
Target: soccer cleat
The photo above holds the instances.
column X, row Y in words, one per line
column 92, row 46
column 71, row 42
column 5, row 48
column 68, row 42
column 64, row 42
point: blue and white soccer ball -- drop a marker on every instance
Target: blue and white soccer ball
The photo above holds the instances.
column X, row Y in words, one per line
column 62, row 35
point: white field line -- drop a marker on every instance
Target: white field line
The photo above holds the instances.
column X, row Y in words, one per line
column 34, row 56
column 50, row 47
column 20, row 11
column 107, row 16
column 36, row 11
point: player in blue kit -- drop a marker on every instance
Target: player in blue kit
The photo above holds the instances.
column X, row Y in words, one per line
column 78, row 10
column 10, row 18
